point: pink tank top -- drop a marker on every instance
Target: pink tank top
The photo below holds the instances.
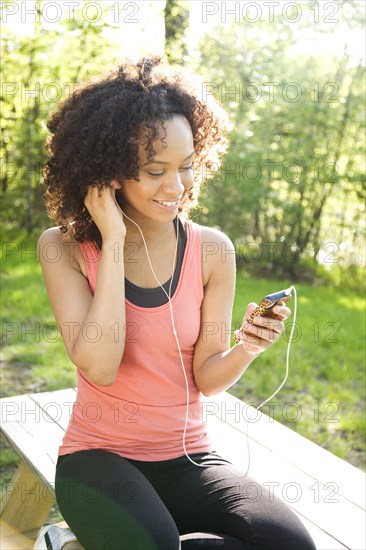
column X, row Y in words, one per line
column 142, row 415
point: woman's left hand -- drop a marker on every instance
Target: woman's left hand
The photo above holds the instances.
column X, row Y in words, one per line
column 265, row 331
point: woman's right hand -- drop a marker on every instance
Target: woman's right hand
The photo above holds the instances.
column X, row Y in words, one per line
column 105, row 212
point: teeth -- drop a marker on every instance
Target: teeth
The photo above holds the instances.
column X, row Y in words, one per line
column 168, row 203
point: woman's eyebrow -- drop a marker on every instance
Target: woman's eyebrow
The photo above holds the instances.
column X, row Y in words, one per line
column 153, row 161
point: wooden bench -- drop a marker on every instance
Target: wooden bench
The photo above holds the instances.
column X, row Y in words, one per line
column 325, row 491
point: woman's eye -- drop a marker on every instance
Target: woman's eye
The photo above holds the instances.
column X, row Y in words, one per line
column 155, row 173
column 162, row 172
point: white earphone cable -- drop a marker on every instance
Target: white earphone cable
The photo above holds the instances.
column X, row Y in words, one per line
column 168, row 295
column 287, row 355
column 283, row 381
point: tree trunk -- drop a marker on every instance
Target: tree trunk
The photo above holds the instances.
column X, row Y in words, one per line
column 176, row 17
column 303, row 240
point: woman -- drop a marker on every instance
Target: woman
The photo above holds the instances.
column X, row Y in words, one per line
column 134, row 289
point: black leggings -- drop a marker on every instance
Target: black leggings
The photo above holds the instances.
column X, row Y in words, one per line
column 114, row 503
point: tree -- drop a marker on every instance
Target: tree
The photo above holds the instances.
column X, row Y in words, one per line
column 176, row 17
column 40, row 70
column 293, row 175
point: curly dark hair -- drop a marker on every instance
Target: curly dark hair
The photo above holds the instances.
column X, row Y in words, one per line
column 95, row 134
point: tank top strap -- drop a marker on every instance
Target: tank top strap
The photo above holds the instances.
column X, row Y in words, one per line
column 193, row 259
column 92, row 254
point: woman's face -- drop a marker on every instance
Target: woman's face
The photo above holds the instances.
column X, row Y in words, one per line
column 165, row 178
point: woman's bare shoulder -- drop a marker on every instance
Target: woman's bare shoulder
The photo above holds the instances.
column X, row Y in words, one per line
column 216, row 249
column 215, row 244
column 213, row 234
column 53, row 247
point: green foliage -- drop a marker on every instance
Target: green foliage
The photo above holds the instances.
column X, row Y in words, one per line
column 7, row 456
column 41, row 70
column 293, row 181
column 292, row 185
column 176, row 17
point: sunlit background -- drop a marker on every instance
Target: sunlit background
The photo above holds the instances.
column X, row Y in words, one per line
column 139, row 25
column 322, row 32
column 290, row 193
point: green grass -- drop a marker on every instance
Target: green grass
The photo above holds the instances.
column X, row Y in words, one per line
column 323, row 398
column 30, row 336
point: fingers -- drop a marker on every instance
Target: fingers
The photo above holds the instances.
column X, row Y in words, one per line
column 105, row 211
column 266, row 330
column 97, row 196
column 93, row 193
column 263, row 331
column 282, row 312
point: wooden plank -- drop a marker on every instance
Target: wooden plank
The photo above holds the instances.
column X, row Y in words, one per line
column 56, row 405
column 33, row 437
column 11, row 539
column 319, row 463
column 37, row 422
column 36, row 438
column 311, row 499
column 322, row 540
column 27, row 502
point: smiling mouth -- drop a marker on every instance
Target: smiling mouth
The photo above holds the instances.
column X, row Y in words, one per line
column 169, row 203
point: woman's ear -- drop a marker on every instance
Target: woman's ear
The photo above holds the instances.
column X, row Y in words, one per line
column 116, row 185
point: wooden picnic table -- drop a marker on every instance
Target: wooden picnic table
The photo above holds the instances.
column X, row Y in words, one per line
column 326, row 492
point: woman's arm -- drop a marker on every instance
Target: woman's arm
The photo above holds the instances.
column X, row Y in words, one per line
column 216, row 367
column 92, row 327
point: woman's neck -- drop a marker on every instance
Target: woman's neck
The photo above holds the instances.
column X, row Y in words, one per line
column 151, row 230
